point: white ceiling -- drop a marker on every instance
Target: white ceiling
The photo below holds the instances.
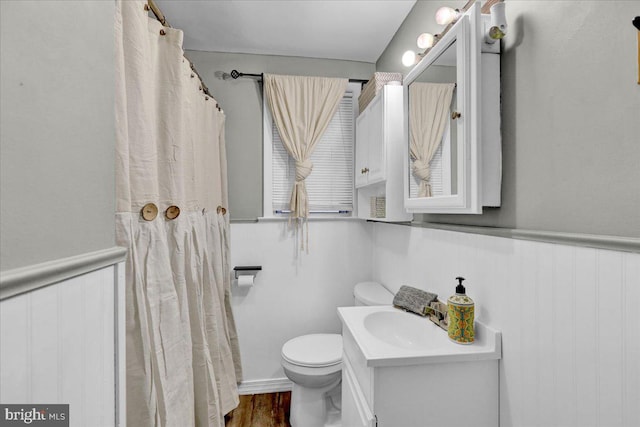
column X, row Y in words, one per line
column 356, row 30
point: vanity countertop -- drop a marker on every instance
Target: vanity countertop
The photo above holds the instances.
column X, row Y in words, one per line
column 387, row 336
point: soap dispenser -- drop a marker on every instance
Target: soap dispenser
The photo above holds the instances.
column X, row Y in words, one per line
column 461, row 313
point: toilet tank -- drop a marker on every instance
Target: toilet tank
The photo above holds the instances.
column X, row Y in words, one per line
column 371, row 293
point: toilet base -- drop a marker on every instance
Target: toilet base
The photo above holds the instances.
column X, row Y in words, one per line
column 315, row 407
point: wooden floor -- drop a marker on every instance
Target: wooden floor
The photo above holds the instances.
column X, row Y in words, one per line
column 261, row 410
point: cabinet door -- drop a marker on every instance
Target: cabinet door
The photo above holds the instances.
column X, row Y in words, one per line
column 376, row 141
column 362, row 145
column 355, row 410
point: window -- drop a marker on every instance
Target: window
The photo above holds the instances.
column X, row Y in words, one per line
column 330, row 184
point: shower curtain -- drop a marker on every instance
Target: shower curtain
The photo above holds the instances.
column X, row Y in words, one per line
column 171, row 193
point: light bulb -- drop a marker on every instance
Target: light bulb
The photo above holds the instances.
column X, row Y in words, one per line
column 425, row 41
column 409, row 58
column 446, row 15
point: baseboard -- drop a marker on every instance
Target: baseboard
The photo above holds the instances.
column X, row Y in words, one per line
column 265, row 386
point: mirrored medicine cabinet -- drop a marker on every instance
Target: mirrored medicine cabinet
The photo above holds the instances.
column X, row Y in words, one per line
column 452, row 123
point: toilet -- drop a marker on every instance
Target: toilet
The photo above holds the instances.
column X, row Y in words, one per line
column 314, row 364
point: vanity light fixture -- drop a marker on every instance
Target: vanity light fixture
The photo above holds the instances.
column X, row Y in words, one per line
column 425, row 40
column 498, row 28
column 409, row 58
column 446, row 15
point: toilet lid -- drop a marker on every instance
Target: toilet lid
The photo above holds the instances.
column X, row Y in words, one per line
column 372, row 293
column 315, row 350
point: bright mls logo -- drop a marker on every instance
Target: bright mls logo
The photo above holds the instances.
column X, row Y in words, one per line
column 34, row 415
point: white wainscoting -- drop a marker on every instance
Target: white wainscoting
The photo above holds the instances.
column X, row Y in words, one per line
column 568, row 316
column 58, row 344
column 295, row 293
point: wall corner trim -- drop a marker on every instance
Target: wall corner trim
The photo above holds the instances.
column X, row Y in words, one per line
column 614, row 243
column 26, row 279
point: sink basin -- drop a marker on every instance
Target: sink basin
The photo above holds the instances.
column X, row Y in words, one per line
column 386, row 336
column 404, row 330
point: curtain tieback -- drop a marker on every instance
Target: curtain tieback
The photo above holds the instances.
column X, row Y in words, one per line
column 303, row 169
column 422, row 170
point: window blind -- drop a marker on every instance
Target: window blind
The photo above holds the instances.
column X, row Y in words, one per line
column 330, row 184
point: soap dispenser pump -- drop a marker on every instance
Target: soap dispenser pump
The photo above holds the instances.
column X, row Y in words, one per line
column 461, row 314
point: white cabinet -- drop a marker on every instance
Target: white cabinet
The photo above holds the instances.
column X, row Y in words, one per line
column 370, row 142
column 355, row 409
column 427, row 395
column 473, row 167
column 379, row 161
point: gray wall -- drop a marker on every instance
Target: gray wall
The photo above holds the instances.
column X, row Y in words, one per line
column 242, row 102
column 570, row 116
column 56, row 130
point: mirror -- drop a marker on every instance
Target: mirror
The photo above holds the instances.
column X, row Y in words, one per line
column 433, row 103
column 451, row 150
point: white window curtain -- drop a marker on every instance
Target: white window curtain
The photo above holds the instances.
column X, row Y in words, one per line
column 429, row 105
column 302, row 108
column 330, row 186
column 437, row 176
column 183, row 361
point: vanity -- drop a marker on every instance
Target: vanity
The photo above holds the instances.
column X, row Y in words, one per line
column 401, row 370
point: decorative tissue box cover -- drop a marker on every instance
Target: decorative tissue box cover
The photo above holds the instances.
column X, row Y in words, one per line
column 374, row 85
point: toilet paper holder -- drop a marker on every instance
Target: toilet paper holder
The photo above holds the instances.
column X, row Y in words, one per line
column 246, row 270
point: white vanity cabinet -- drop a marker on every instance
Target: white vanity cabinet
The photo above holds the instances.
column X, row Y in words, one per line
column 355, row 409
column 378, row 160
column 457, row 388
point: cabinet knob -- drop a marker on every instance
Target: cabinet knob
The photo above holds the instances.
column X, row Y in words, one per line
column 455, row 115
column 365, row 170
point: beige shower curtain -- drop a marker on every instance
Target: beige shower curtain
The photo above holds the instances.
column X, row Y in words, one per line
column 428, row 115
column 182, row 349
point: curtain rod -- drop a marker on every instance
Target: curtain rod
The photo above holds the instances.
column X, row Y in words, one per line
column 163, row 20
column 235, row 74
column 158, row 13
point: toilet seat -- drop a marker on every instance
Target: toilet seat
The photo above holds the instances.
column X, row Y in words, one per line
column 314, row 350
